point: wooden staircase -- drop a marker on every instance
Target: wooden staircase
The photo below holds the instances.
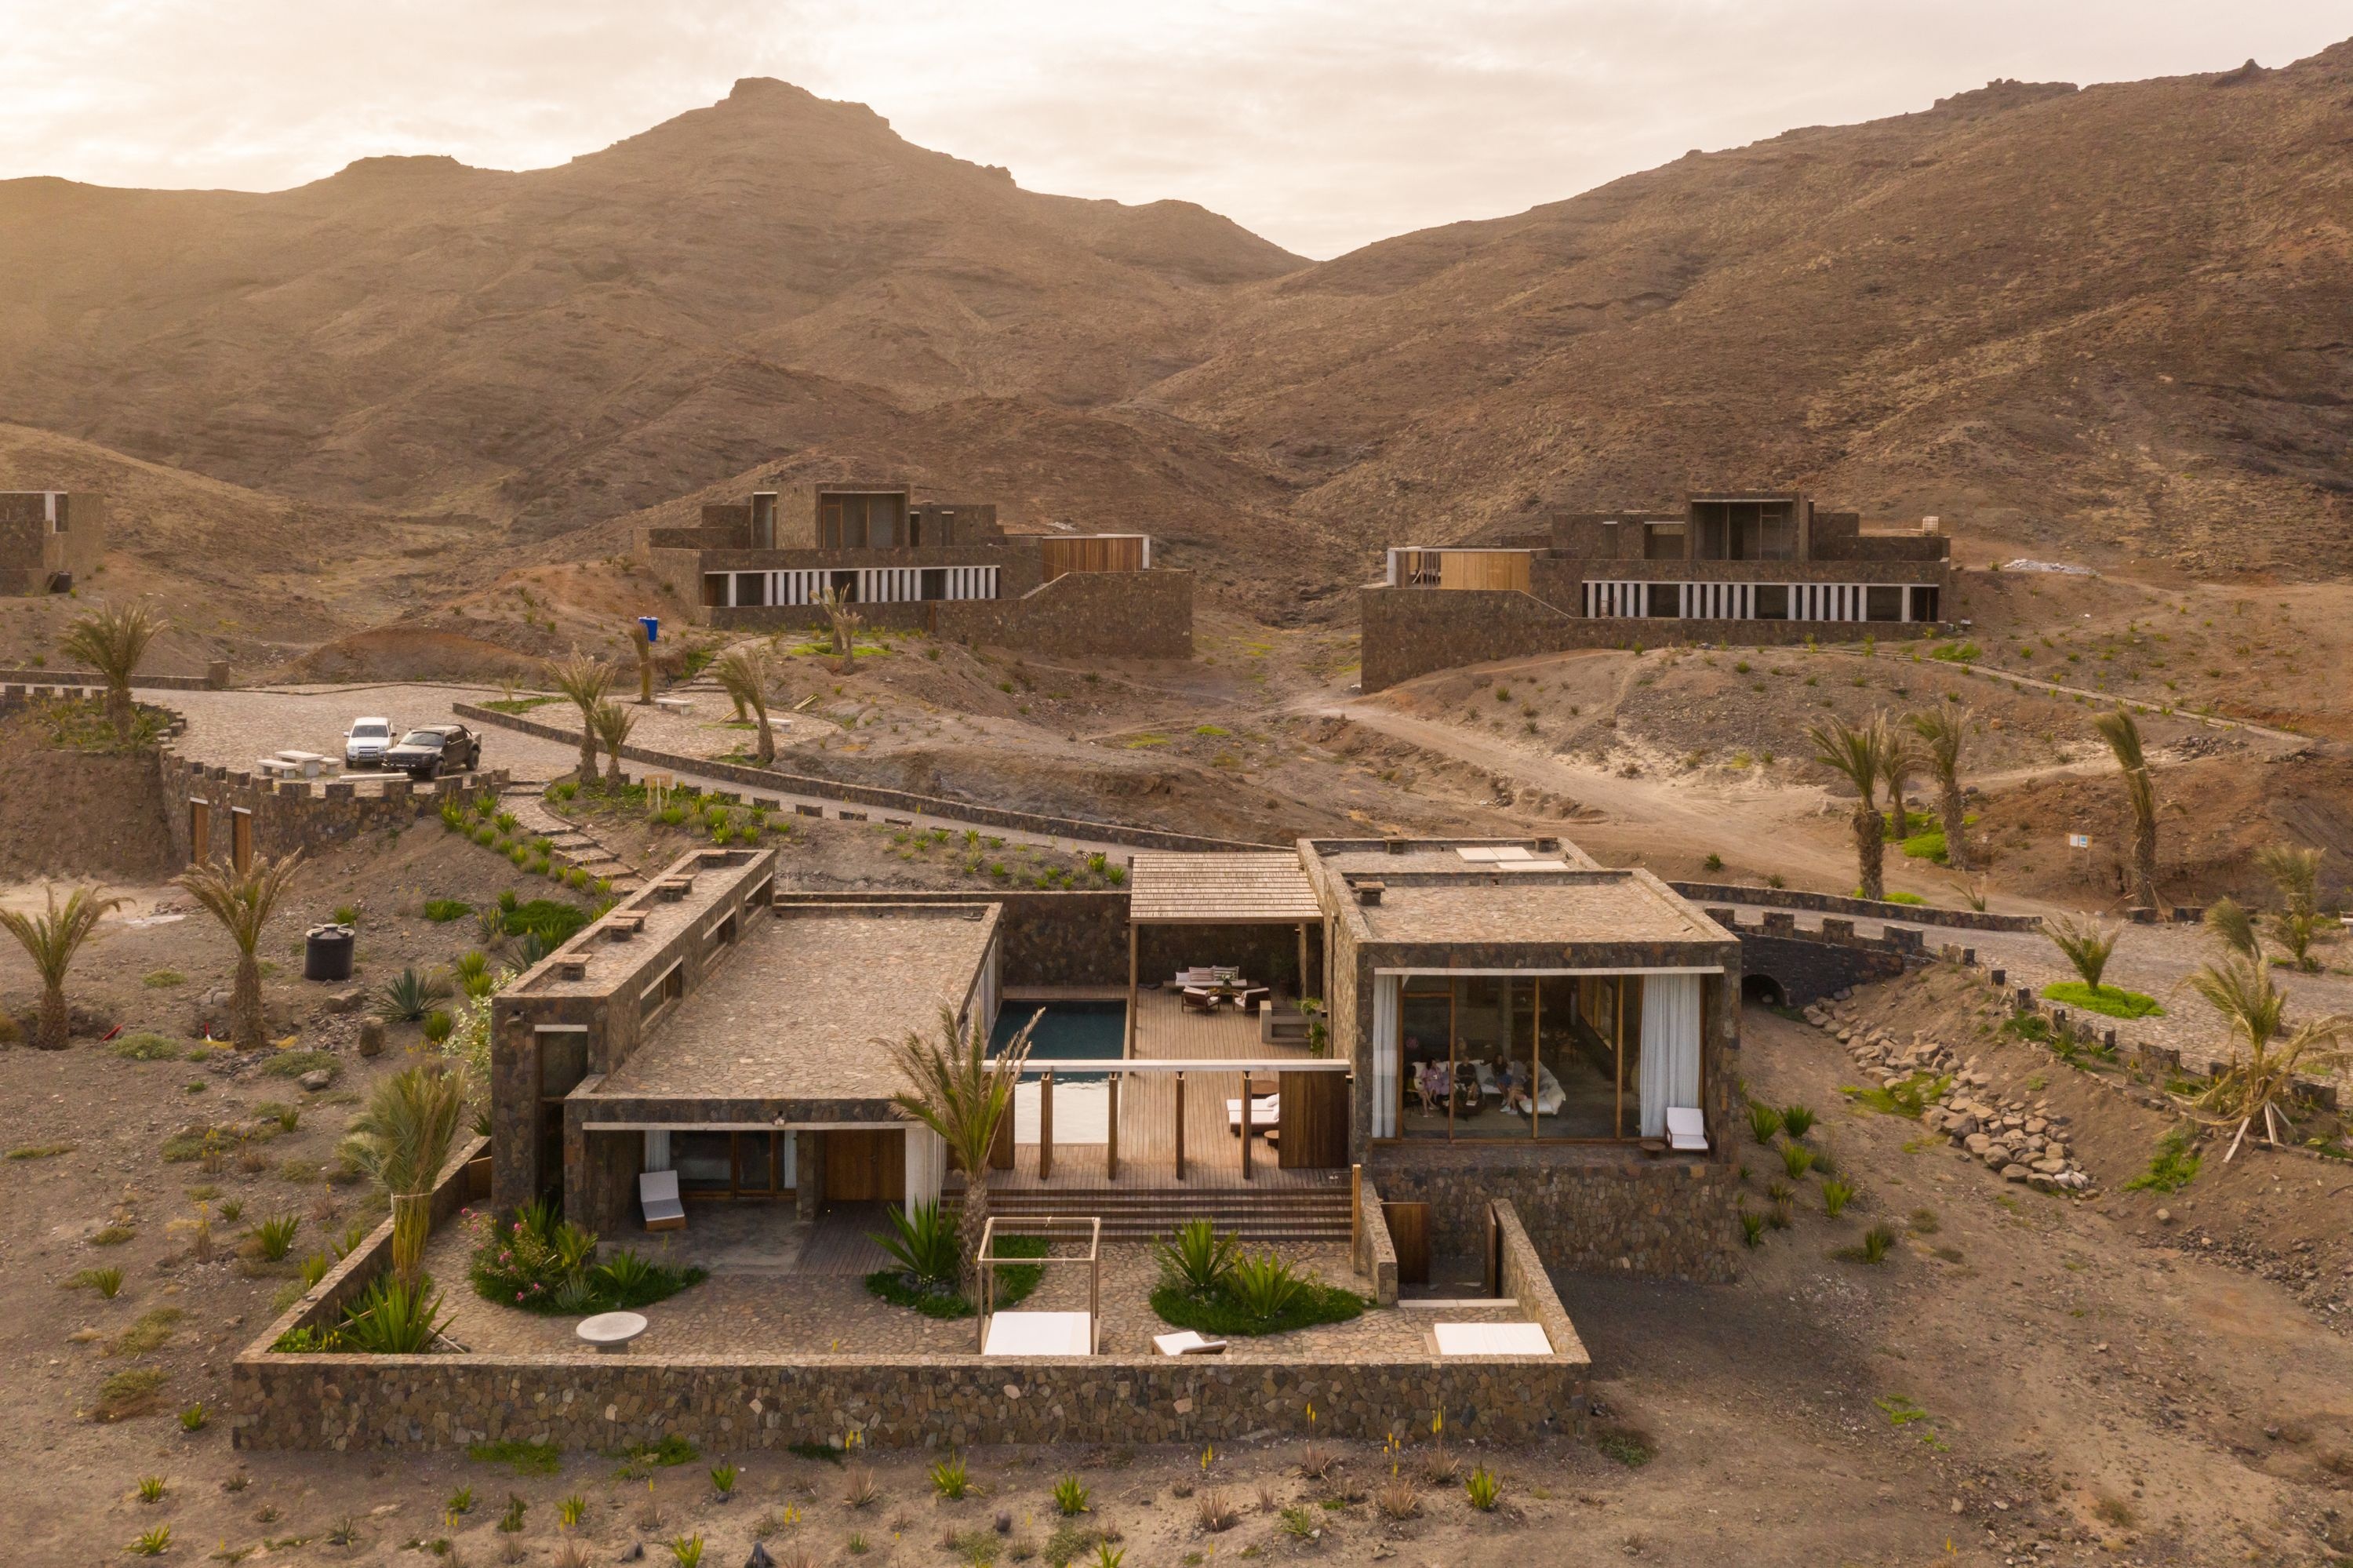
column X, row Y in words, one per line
column 1142, row 1213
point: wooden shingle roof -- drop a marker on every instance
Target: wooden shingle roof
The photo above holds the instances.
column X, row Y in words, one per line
column 1241, row 888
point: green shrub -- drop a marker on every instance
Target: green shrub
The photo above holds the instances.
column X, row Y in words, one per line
column 2173, row 1167
column 1013, row 1284
column 1836, row 1196
column 148, row 1047
column 523, row 1457
column 546, row 1266
column 1196, row 1258
column 441, row 911
column 1764, row 1121
column 1070, row 1495
column 438, row 1026
column 553, row 921
column 1796, row 1160
column 1484, row 1489
column 923, row 1244
column 1796, row 1121
column 160, row 980
column 408, row 996
column 389, row 1318
column 275, row 1236
column 1751, row 1228
column 107, row 1282
column 951, row 1478
column 2115, row 1001
column 294, row 1063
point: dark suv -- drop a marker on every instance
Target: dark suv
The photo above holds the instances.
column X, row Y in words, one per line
column 436, row 749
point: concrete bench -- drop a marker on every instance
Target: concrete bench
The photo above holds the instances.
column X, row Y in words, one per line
column 675, row 704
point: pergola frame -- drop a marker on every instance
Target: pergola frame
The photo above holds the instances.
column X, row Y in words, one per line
column 1254, row 887
column 1050, row 1226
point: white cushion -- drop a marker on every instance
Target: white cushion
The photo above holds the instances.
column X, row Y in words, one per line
column 1686, row 1128
column 1187, row 1343
column 1491, row 1339
column 657, row 1191
column 1040, row 1334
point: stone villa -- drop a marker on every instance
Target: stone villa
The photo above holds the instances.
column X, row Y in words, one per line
column 1506, row 1020
column 946, row 568
column 49, row 540
column 1747, row 567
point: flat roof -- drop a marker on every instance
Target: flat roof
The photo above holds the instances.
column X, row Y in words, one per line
column 794, row 1013
column 1221, row 889
column 1422, row 855
column 1553, row 909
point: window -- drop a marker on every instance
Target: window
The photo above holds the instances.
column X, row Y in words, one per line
column 935, row 582
column 751, row 588
column 1883, row 604
column 1772, row 602
column 1924, row 604
column 1663, row 600
column 1662, row 541
column 663, row 991
column 1499, row 1057
column 562, row 1061
column 714, row 591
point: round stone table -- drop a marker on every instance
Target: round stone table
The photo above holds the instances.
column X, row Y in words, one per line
column 611, row 1332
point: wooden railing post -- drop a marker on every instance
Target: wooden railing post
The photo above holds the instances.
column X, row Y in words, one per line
column 1180, row 1127
column 1249, row 1123
column 1046, row 1125
column 1110, row 1144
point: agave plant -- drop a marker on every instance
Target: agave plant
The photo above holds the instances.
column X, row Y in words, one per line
column 1195, row 1258
column 923, row 1244
column 408, row 996
column 51, row 940
column 1262, row 1285
column 394, row 1317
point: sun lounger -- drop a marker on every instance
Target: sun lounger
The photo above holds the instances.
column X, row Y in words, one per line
column 1187, row 1343
column 1491, row 1339
column 1266, row 1111
column 657, row 1191
column 1686, row 1129
column 1040, row 1334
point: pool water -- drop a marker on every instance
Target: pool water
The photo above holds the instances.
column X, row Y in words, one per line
column 1070, row 1031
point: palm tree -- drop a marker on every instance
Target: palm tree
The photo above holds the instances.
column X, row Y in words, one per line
column 2118, row 728
column 745, row 674
column 586, row 681
column 2297, row 926
column 1855, row 754
column 1896, row 765
column 2262, row 1082
column 1942, row 730
column 2087, row 943
column 51, row 940
column 2235, row 928
column 113, row 639
column 845, row 621
column 403, row 1140
column 243, row 903
column 643, row 642
column 612, row 724
column 961, row 1092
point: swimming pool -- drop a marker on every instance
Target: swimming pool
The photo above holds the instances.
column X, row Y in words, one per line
column 1070, row 1031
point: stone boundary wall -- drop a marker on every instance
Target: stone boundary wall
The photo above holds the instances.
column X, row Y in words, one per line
column 1624, row 1212
column 1520, row 1274
column 1408, row 632
column 1374, row 1251
column 79, row 679
column 1811, row 965
column 1082, row 615
column 877, row 795
column 308, row 814
column 1869, row 908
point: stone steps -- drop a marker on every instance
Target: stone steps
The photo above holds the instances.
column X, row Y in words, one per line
column 1133, row 1214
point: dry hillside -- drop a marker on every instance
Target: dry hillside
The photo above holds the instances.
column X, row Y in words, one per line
column 2094, row 321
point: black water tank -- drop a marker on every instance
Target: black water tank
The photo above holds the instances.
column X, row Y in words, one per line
column 327, row 953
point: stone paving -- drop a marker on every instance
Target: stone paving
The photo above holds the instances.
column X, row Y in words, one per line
column 232, row 729
column 760, row 1312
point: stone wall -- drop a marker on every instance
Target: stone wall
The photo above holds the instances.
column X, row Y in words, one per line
column 726, row 1403
column 1869, row 908
column 82, row 681
column 1808, row 967
column 1408, row 632
column 1372, row 1249
column 881, row 797
column 1082, row 615
column 1599, row 1208
column 308, row 814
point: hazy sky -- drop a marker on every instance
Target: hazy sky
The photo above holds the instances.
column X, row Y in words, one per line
column 1321, row 125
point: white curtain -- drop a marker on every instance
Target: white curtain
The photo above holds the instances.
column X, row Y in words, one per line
column 1386, row 989
column 657, row 1149
column 1669, row 1048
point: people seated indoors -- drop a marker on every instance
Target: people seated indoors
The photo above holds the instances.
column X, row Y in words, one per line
column 1514, row 1080
column 1433, row 1081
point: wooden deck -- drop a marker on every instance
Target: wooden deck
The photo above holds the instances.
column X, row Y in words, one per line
column 1147, row 1113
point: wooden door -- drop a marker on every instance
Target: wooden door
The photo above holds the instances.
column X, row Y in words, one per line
column 1410, row 1234
column 200, row 830
column 865, row 1165
column 1314, row 1130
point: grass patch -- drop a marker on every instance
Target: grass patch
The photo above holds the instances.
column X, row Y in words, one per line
column 823, row 1452
column 520, row 704
column 130, row 1393
column 524, row 1459
column 441, row 911
column 1220, row 1316
column 1902, row 1413
column 1625, row 1445
column 2111, row 1000
column 553, row 921
column 294, row 1063
column 151, row 1331
column 2173, row 1167
column 160, row 980
column 1908, row 1099
column 673, row 1450
column 40, row 1150
column 149, row 1047
column 1013, row 1284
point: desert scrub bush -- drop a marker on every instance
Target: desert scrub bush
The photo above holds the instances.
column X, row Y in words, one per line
column 1764, row 1121
column 275, row 1236
column 1796, row 1160
column 1836, row 1196
column 1215, row 1513
column 163, row 980
column 148, row 1047
column 1398, row 1499
column 151, row 1542
column 128, row 1392
column 1751, row 1228
column 408, row 996
column 1874, row 1248
column 1070, row 1496
column 1624, row 1444
column 194, row 1417
column 441, row 911
column 1796, row 1121
column 2174, row 1166
column 40, row 1150
column 107, row 1282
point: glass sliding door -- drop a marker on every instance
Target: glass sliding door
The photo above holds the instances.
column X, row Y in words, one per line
column 1425, row 1057
column 1562, row 1057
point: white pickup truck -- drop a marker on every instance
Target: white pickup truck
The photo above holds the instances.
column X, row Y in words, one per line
column 366, row 741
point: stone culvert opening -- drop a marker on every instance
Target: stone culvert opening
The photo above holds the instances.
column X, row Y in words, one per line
column 1764, row 989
